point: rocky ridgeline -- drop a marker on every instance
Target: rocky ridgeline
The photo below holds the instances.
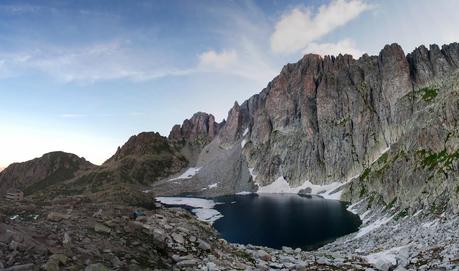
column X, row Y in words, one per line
column 42, row 172
column 326, row 119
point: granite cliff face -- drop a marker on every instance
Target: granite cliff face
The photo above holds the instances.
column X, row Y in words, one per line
column 328, row 119
column 200, row 127
column 47, row 170
column 194, row 134
column 325, row 119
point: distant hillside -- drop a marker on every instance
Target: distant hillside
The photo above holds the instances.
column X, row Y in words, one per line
column 144, row 159
column 38, row 173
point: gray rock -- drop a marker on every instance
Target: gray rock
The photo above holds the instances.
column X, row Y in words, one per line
column 101, row 228
column 203, row 245
column 96, row 267
column 178, row 238
column 305, row 191
column 187, row 263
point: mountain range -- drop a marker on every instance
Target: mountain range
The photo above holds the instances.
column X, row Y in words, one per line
column 380, row 126
column 379, row 132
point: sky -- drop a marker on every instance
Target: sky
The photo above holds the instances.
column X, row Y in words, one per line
column 83, row 76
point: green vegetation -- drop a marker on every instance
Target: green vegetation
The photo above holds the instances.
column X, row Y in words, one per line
column 383, row 158
column 365, row 174
column 443, row 160
column 438, row 208
column 363, row 191
column 343, row 120
column 428, row 93
column 391, row 204
column 401, row 214
column 370, row 201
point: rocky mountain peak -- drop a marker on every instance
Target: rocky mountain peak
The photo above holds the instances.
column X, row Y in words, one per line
column 142, row 144
column 427, row 63
column 201, row 126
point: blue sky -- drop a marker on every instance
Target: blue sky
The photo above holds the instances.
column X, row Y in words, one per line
column 83, row 76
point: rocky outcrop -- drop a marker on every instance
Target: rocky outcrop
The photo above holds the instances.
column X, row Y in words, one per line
column 194, row 134
column 39, row 173
column 142, row 160
column 200, row 127
column 145, row 158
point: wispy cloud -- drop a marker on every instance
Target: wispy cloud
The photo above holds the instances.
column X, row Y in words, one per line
column 103, row 115
column 98, row 61
column 301, row 26
column 73, row 116
column 215, row 60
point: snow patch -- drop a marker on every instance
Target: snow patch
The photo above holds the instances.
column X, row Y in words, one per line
column 207, row 215
column 210, row 186
column 429, row 224
column 254, row 176
column 243, row 142
column 365, row 216
column 386, row 256
column 244, row 193
column 380, row 154
column 417, row 213
column 329, row 191
column 203, row 208
column 352, row 208
column 373, row 226
column 246, row 131
column 14, row 217
column 188, row 174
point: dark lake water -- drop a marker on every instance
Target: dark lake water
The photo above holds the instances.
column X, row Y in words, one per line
column 278, row 220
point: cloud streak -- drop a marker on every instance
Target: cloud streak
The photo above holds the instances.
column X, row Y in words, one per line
column 300, row 26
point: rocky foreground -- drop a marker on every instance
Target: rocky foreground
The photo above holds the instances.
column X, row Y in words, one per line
column 77, row 234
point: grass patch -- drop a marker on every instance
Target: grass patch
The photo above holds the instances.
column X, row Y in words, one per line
column 383, row 158
column 391, row 204
column 365, row 174
column 428, row 93
column 343, row 120
column 363, row 191
column 431, row 160
column 401, row 214
column 437, row 209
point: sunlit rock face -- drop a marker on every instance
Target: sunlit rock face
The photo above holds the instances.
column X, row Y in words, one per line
column 325, row 119
column 328, row 119
column 201, row 126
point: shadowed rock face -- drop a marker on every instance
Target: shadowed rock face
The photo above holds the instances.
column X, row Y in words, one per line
column 143, row 159
column 49, row 169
